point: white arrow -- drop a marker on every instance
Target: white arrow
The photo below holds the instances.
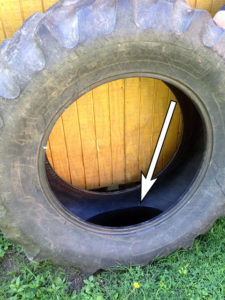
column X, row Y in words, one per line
column 147, row 182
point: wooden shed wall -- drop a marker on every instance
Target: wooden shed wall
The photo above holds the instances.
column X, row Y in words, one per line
column 108, row 136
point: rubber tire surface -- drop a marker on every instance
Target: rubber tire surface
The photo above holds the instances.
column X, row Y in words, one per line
column 58, row 56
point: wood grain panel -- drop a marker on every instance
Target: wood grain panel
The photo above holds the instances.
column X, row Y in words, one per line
column 30, row 7
column 173, row 136
column 146, row 148
column 206, row 4
column 11, row 16
column 88, row 140
column 47, row 3
column 117, row 119
column 132, row 128
column 59, row 151
column 2, row 31
column 103, row 134
column 74, row 146
column 192, row 3
column 49, row 153
column 160, row 110
column 111, row 138
column 216, row 5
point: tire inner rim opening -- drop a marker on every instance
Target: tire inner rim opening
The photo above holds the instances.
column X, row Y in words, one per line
column 121, row 208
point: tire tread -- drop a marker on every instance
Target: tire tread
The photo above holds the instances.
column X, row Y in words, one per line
column 22, row 56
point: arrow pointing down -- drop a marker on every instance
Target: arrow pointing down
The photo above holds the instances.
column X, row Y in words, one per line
column 147, row 182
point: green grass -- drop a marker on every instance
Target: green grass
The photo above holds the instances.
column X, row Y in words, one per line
column 198, row 273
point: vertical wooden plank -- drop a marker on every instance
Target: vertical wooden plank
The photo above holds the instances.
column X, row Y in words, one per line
column 103, row 134
column 48, row 3
column 117, row 110
column 160, row 109
column 2, row 32
column 192, row 3
column 11, row 16
column 74, row 147
column 216, row 5
column 21, row 10
column 59, row 151
column 88, row 139
column 206, row 4
column 179, row 126
column 169, row 147
column 146, row 123
column 49, row 154
column 171, row 141
column 30, row 7
column 132, row 128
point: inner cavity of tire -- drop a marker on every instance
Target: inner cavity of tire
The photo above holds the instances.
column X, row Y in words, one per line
column 122, row 207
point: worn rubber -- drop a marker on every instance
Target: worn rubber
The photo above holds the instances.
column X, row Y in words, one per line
column 79, row 43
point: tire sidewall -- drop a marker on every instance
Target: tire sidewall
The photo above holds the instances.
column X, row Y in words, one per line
column 28, row 119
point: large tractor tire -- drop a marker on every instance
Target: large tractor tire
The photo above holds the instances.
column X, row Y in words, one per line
column 74, row 47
